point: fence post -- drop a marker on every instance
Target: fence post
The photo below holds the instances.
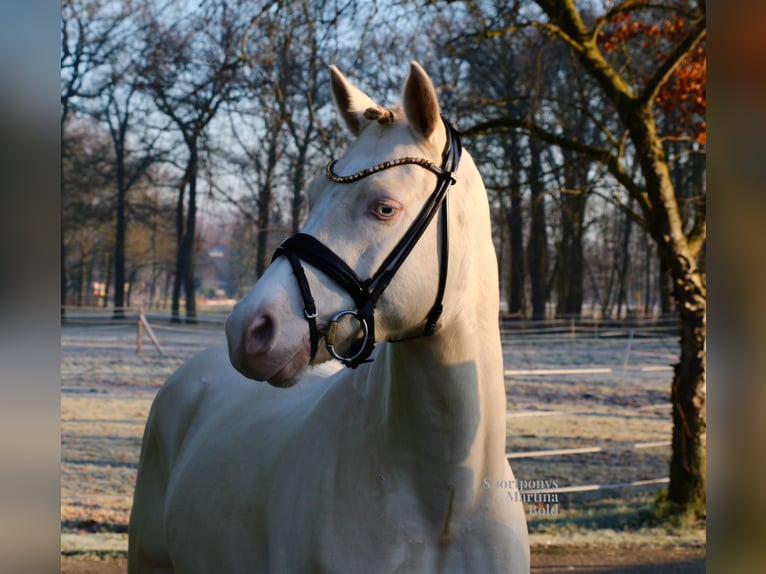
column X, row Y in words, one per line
column 149, row 331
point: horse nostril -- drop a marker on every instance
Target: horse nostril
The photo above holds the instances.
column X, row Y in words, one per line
column 259, row 337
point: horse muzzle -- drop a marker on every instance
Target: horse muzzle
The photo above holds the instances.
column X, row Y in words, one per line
column 264, row 346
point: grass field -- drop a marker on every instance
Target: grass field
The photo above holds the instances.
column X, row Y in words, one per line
column 609, row 390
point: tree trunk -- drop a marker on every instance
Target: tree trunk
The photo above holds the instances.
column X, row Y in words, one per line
column 296, row 205
column 649, row 294
column 264, row 211
column 570, row 272
column 119, row 243
column 516, row 225
column 82, row 268
column 175, row 305
column 299, row 182
column 108, row 270
column 131, row 282
column 680, row 253
column 187, row 245
column 570, row 260
column 688, row 393
column 262, row 236
column 90, row 300
column 537, row 249
column 687, row 466
column 664, row 282
column 622, row 280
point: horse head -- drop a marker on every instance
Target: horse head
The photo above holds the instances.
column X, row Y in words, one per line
column 370, row 263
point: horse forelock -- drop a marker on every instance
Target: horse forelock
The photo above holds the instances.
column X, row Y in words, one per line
column 384, row 116
column 383, row 123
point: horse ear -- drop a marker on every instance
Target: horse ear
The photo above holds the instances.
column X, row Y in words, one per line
column 420, row 103
column 351, row 101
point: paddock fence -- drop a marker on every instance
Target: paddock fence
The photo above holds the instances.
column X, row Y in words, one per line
column 554, row 354
column 587, row 363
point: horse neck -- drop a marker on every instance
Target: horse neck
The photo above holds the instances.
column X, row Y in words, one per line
column 443, row 404
column 445, row 398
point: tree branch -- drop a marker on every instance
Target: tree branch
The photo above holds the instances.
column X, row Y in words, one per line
column 594, row 153
column 564, row 14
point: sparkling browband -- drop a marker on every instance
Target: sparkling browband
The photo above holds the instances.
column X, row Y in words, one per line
column 422, row 162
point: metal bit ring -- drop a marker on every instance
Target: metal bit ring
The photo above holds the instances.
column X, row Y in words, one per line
column 332, row 331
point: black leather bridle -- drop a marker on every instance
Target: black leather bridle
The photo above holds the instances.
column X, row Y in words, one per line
column 366, row 293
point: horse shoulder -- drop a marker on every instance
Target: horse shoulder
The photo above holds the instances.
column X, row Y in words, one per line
column 172, row 412
column 179, row 399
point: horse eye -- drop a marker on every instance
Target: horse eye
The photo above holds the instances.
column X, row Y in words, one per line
column 385, row 210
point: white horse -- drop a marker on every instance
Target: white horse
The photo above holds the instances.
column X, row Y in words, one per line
column 378, row 468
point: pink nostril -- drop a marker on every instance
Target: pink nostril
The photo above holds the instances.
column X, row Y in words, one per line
column 260, row 335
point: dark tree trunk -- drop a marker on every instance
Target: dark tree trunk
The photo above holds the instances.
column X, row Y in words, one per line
column 262, row 236
column 570, row 271
column 622, row 280
column 90, row 298
column 537, row 249
column 681, row 251
column 515, row 222
column 516, row 225
column 666, row 296
column 185, row 236
column 299, row 182
column 516, row 256
column 187, row 245
column 264, row 211
column 108, row 270
column 570, row 260
column 81, row 279
column 688, row 394
column 131, row 282
column 119, row 243
column 175, row 305
column 166, row 287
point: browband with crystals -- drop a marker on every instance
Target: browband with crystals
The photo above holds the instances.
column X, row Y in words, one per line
column 422, row 162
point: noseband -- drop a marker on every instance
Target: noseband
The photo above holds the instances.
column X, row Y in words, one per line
column 366, row 293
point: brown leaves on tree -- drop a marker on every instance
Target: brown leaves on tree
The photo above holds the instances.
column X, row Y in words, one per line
column 683, row 96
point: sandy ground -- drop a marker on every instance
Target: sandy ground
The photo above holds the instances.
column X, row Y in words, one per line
column 575, row 561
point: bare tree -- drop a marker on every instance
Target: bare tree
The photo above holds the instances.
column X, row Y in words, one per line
column 537, row 246
column 633, row 104
column 192, row 65
column 572, row 198
column 87, row 34
column 275, row 129
column 86, row 205
column 122, row 107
